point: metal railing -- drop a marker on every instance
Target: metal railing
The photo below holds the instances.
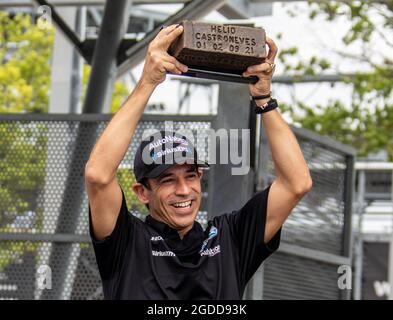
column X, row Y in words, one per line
column 317, row 236
column 363, row 198
column 43, row 208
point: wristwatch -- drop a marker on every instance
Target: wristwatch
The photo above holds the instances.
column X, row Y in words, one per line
column 266, row 107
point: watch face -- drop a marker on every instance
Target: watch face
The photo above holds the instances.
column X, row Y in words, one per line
column 262, row 106
column 270, row 105
column 258, row 110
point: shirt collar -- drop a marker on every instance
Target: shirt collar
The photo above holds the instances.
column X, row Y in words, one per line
column 185, row 249
column 167, row 231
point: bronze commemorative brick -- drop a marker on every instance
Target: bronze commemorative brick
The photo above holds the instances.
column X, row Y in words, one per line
column 218, row 47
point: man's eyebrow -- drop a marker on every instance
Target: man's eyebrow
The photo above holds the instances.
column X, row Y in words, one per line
column 164, row 175
column 168, row 174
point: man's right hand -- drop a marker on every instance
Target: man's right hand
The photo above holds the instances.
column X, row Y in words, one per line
column 158, row 62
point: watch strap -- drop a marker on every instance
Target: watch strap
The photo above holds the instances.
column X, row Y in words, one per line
column 268, row 106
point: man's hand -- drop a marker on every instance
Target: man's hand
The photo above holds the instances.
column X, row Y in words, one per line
column 264, row 72
column 158, row 62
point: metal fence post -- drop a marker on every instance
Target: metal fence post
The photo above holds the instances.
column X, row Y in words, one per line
column 230, row 191
column 390, row 264
column 357, row 293
column 98, row 96
column 348, row 196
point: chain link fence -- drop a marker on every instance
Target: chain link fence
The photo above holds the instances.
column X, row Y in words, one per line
column 44, row 210
column 316, row 238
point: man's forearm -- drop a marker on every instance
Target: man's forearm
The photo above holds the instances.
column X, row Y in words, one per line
column 289, row 162
column 113, row 144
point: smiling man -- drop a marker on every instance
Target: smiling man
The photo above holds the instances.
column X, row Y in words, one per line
column 170, row 255
column 168, row 173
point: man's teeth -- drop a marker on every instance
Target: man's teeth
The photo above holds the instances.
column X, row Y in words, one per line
column 182, row 204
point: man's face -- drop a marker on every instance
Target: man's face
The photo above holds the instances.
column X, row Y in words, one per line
column 175, row 196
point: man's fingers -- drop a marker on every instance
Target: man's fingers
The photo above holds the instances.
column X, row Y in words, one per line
column 266, row 67
column 167, row 35
column 272, row 49
column 167, row 30
column 171, row 36
column 170, row 67
column 161, row 36
column 259, row 68
column 176, row 62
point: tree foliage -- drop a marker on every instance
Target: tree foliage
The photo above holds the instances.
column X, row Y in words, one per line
column 367, row 123
column 25, row 52
column 25, row 69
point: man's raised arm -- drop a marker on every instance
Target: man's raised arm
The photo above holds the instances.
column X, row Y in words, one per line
column 103, row 190
column 293, row 178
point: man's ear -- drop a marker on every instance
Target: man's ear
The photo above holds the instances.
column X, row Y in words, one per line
column 141, row 192
column 200, row 173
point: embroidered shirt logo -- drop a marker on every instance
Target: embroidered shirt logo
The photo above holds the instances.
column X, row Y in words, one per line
column 163, row 253
column 157, row 238
column 211, row 252
column 212, row 233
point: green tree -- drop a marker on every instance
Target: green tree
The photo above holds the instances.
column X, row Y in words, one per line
column 367, row 123
column 25, row 52
column 25, row 57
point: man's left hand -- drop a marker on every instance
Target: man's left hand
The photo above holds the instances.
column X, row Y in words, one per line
column 263, row 71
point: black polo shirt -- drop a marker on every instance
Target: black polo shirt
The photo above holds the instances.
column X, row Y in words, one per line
column 148, row 260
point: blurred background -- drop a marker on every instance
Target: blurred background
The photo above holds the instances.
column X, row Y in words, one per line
column 67, row 65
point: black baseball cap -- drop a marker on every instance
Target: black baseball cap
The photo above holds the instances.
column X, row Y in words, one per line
column 162, row 150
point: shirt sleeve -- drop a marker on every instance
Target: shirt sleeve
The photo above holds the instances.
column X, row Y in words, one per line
column 248, row 225
column 110, row 251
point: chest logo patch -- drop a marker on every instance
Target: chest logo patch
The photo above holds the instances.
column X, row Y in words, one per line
column 212, row 233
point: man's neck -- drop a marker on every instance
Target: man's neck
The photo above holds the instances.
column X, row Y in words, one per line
column 182, row 232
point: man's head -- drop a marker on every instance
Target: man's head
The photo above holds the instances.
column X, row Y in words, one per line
column 168, row 174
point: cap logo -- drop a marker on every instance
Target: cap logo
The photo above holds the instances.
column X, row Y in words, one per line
column 167, row 139
column 159, row 151
column 165, row 152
